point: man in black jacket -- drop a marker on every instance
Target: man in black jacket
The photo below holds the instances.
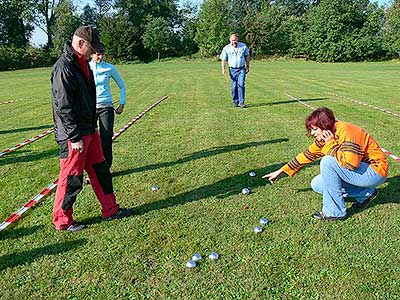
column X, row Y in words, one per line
column 74, row 113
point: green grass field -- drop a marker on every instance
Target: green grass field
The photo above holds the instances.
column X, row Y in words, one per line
column 199, row 149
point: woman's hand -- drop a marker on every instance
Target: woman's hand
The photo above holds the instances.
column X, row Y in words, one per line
column 119, row 109
column 273, row 175
column 327, row 135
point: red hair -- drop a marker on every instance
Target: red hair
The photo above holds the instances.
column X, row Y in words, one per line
column 322, row 118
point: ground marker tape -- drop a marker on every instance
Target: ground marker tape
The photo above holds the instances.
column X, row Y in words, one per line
column 391, row 155
column 6, row 102
column 26, row 142
column 47, row 191
column 302, row 102
column 383, row 150
column 366, row 104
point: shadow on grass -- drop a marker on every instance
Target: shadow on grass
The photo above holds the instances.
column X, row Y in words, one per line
column 221, row 189
column 285, row 102
column 388, row 194
column 26, row 129
column 200, row 154
column 18, row 157
column 27, row 257
column 18, row 233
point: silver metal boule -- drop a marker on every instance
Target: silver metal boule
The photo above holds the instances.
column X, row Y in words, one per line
column 245, row 191
column 252, row 174
column 196, row 257
column 191, row 264
column 213, row 256
column 154, row 188
column 258, row 229
column 264, row 221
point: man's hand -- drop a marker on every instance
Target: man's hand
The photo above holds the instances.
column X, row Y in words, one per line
column 78, row 146
column 119, row 109
column 247, row 69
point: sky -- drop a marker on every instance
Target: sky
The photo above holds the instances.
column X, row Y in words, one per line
column 39, row 37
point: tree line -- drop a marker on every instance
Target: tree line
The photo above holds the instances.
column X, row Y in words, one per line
column 142, row 30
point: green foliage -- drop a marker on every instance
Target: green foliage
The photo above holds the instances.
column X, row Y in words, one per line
column 14, row 28
column 342, row 30
column 391, row 30
column 13, row 58
column 213, row 27
column 158, row 36
column 121, row 39
column 88, row 16
column 66, row 24
column 186, row 29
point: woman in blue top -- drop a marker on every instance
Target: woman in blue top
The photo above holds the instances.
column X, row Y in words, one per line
column 103, row 72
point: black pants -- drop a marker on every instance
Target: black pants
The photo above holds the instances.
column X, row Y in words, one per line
column 105, row 116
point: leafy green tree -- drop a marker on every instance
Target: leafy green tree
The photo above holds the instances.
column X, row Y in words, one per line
column 138, row 13
column 158, row 36
column 391, row 30
column 65, row 25
column 15, row 29
column 88, row 16
column 186, row 28
column 342, row 30
column 44, row 17
column 214, row 26
column 121, row 39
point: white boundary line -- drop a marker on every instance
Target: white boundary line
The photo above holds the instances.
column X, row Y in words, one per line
column 366, row 104
column 6, row 102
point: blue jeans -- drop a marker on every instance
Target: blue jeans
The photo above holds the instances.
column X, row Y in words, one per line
column 336, row 182
column 238, row 77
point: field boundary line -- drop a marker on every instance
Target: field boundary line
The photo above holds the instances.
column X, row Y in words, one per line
column 26, row 142
column 330, row 89
column 47, row 191
column 366, row 104
column 6, row 102
column 388, row 153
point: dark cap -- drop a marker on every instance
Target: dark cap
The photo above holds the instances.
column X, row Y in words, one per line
column 90, row 34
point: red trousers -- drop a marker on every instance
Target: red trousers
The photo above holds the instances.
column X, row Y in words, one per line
column 70, row 181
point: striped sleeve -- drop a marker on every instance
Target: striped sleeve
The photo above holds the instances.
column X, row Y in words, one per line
column 346, row 148
column 312, row 153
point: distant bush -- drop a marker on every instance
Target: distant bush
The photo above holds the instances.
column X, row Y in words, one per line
column 12, row 58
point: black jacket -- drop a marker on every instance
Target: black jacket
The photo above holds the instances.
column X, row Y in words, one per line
column 74, row 98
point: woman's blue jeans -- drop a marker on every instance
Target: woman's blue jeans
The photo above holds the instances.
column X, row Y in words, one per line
column 336, row 182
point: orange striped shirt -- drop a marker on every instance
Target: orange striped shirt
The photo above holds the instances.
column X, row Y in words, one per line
column 350, row 146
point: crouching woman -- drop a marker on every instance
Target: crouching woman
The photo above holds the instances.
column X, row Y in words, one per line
column 352, row 164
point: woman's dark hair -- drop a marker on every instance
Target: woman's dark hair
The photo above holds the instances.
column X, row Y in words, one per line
column 322, row 118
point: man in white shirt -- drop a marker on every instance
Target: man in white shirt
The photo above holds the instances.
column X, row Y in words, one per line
column 236, row 54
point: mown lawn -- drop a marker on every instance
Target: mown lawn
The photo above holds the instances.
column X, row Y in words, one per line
column 199, row 150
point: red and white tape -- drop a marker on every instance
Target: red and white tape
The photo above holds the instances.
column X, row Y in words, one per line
column 47, row 191
column 368, row 105
column 388, row 153
column 26, row 142
column 396, row 158
column 6, row 102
